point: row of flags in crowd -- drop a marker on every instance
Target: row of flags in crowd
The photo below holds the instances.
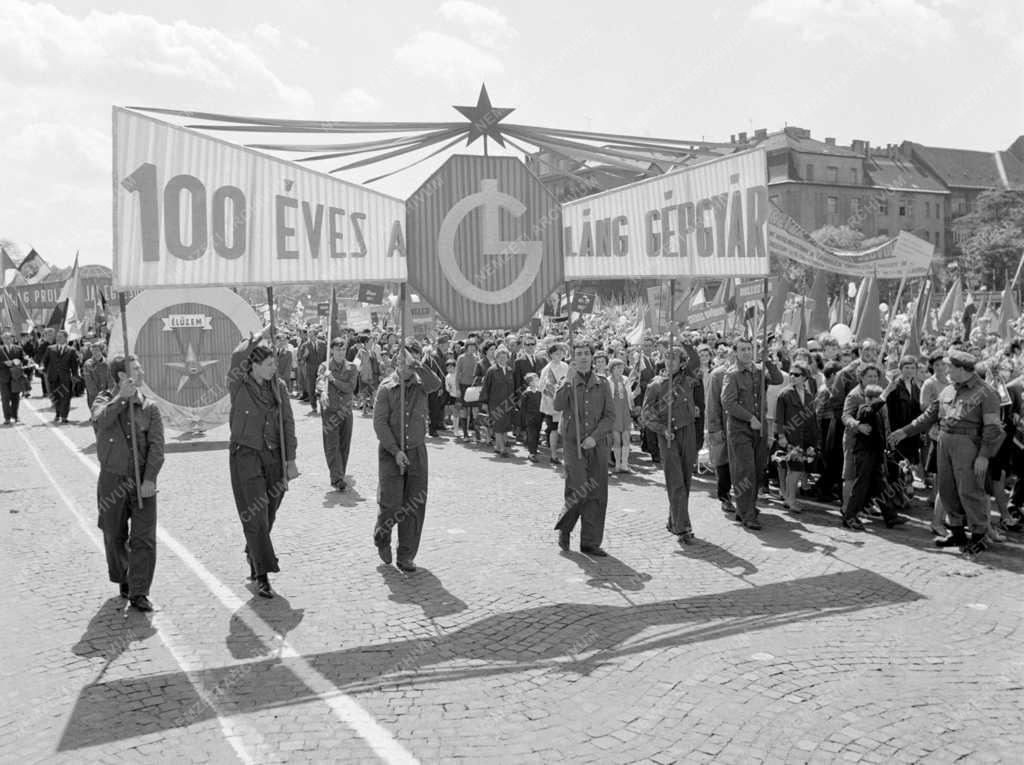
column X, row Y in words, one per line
column 68, row 313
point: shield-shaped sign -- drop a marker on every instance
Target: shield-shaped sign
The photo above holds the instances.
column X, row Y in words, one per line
column 184, row 339
column 484, row 242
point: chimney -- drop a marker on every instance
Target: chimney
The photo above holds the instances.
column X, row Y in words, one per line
column 743, row 137
column 732, row 138
column 761, row 133
column 830, row 141
column 859, row 145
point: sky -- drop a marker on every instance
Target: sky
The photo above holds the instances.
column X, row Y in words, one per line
column 940, row 72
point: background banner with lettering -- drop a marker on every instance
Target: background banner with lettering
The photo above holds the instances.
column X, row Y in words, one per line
column 708, row 220
column 195, row 210
column 903, row 255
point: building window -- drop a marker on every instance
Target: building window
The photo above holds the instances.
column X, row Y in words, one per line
column 855, row 207
column 809, row 172
column 938, row 240
column 903, row 209
column 853, row 176
column 883, row 207
column 832, row 206
column 927, row 209
column 833, row 174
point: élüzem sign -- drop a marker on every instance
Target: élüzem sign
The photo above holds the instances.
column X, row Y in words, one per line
column 707, row 220
column 193, row 210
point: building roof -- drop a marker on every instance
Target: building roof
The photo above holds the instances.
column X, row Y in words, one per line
column 965, row 168
column 899, row 172
column 799, row 139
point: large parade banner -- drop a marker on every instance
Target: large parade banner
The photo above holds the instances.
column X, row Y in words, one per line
column 708, row 220
column 484, row 246
column 904, row 255
column 195, row 210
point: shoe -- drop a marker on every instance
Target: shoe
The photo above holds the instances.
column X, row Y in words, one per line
column 597, row 552
column 141, row 603
column 978, row 543
column 899, row 520
column 563, row 540
column 406, row 565
column 384, row 551
column 432, row 433
column 996, row 534
column 754, row 525
column 853, row 524
column 532, row 458
column 957, row 538
column 687, row 537
column 340, row 485
column 728, row 506
column 263, row 587
column 123, row 588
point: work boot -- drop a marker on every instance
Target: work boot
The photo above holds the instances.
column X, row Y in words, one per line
column 957, row 538
column 978, row 543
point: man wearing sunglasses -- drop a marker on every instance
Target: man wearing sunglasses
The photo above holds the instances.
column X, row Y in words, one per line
column 527, row 363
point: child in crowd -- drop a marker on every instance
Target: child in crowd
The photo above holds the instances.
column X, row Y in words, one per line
column 533, row 417
column 453, row 410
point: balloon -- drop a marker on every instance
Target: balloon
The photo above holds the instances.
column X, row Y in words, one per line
column 851, row 289
column 883, row 307
column 842, row 333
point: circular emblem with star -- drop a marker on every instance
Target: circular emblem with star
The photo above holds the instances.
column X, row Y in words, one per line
column 183, row 340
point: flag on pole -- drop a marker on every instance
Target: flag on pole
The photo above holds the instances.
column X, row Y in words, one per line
column 637, row 333
column 21, row 310
column 1009, row 312
column 6, row 264
column 870, row 325
column 335, row 330
column 953, row 304
column 34, row 268
column 777, row 304
column 819, row 321
column 71, row 295
column 801, row 329
column 858, row 303
column 917, row 322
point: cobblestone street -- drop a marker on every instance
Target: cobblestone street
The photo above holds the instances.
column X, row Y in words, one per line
column 801, row 643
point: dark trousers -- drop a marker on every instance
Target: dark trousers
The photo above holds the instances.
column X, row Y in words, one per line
column 1017, row 467
column 747, row 459
column 60, row 394
column 832, row 459
column 11, row 399
column 532, row 422
column 867, row 483
column 129, row 532
column 257, row 481
column 677, row 457
column 402, row 499
column 724, row 481
column 337, row 430
column 435, row 407
column 310, row 389
column 586, row 493
column 649, row 443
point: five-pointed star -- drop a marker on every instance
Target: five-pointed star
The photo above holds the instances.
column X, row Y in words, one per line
column 190, row 367
column 484, row 118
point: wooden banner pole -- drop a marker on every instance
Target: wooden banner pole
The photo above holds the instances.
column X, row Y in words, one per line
column 122, row 302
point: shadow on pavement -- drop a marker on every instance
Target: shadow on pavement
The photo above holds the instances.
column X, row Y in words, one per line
column 422, row 589
column 718, row 557
column 609, row 573
column 277, row 612
column 540, row 637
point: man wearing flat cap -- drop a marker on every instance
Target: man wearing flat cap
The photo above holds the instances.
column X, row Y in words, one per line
column 970, row 432
column 400, row 414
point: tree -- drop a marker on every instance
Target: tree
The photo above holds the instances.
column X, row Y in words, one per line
column 992, row 238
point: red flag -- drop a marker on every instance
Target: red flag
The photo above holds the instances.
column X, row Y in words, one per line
column 819, row 293
column 6, row 264
column 1008, row 313
column 777, row 304
column 870, row 325
column 953, row 304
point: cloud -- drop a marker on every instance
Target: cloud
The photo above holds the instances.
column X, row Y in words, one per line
column 484, row 26
column 271, row 37
column 913, row 22
column 450, row 59
column 42, row 45
column 355, row 103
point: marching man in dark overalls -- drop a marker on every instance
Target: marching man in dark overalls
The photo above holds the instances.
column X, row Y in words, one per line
column 262, row 452
column 402, row 455
column 585, row 401
column 129, row 530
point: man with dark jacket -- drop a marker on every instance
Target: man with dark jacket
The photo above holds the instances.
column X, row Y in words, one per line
column 336, row 386
column 61, row 368
column 437, row 363
column 44, row 343
column 95, row 372
column 402, row 455
column 903, row 401
column 716, row 419
column 129, row 529
column 645, row 371
column 12, row 375
column 526, row 363
column 585, row 401
column 312, row 353
column 262, row 451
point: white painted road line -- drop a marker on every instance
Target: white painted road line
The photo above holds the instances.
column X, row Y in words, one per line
column 235, row 733
column 345, row 708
